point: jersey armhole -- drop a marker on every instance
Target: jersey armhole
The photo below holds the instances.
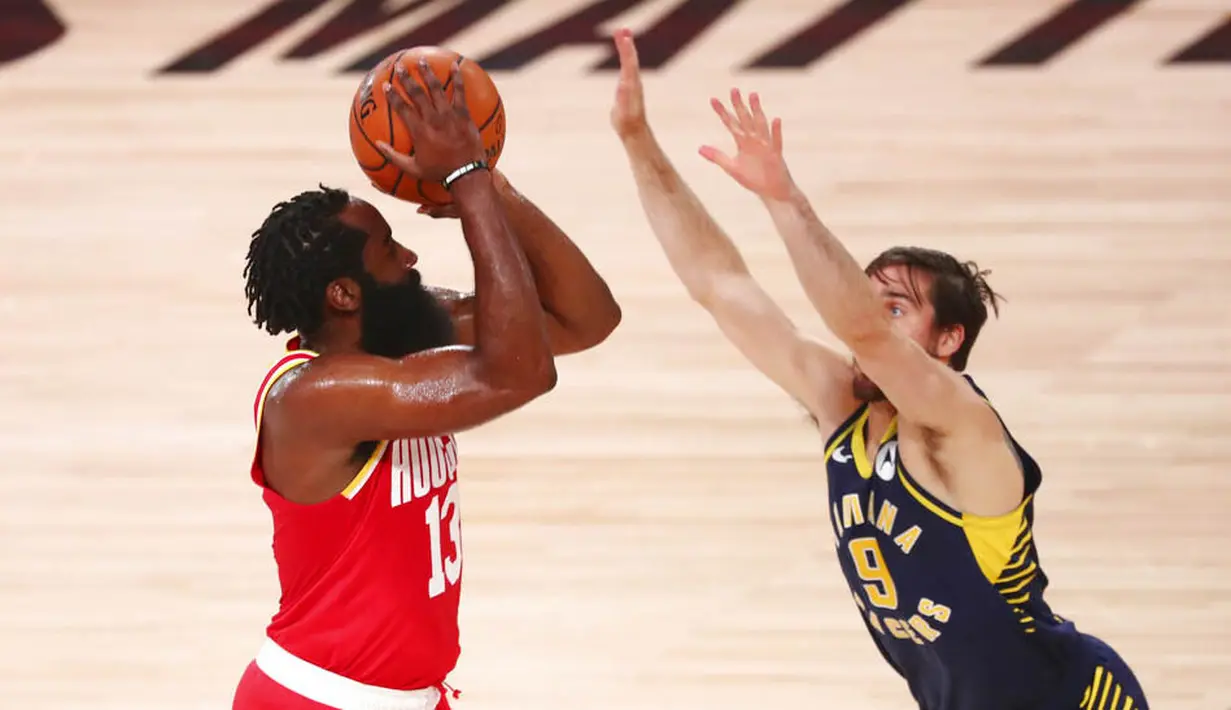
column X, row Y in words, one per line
column 841, row 430
column 288, row 362
column 356, row 483
column 1032, row 474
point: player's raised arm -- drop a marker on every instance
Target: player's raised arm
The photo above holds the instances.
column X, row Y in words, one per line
column 352, row 398
column 922, row 387
column 713, row 271
column 580, row 308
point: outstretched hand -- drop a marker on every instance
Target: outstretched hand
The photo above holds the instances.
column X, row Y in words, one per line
column 628, row 112
column 758, row 164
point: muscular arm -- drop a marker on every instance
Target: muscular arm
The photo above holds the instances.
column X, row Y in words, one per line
column 579, row 308
column 346, row 399
column 712, row 270
column 937, row 407
column 922, row 388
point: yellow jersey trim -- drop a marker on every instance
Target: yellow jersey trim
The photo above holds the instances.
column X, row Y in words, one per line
column 837, row 440
column 859, row 445
column 925, row 499
column 998, row 543
column 994, row 542
column 301, row 357
column 365, row 473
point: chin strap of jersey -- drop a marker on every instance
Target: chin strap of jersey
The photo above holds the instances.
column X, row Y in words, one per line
column 445, row 687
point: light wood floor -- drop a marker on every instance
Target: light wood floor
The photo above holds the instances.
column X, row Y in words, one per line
column 653, row 534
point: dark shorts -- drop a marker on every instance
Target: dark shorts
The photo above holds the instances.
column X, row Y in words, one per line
column 1101, row 680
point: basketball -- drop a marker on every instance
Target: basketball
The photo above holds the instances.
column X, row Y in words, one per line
column 372, row 119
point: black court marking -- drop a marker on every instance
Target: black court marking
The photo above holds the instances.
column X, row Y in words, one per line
column 1213, row 47
column 828, row 34
column 1062, row 30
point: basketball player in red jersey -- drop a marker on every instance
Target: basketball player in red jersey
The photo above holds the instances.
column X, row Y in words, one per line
column 357, row 451
column 931, row 496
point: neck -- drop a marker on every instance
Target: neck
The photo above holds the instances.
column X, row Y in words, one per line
column 331, row 339
column 879, row 416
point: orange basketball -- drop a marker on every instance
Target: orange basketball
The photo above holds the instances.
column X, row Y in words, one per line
column 372, row 120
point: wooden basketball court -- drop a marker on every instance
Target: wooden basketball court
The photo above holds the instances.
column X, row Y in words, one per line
column 652, row 534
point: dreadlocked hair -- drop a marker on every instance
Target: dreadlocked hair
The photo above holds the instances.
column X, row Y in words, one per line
column 298, row 250
column 960, row 294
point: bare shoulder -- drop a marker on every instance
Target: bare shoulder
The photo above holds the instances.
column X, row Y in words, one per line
column 970, row 463
column 314, row 393
column 304, row 385
column 305, row 460
column 296, row 392
column 346, row 381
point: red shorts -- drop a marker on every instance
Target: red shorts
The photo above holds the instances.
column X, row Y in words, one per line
column 302, row 686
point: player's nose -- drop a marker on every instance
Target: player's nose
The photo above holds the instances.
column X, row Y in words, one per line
column 409, row 259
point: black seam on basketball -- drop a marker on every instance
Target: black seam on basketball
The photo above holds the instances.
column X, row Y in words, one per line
column 495, row 113
column 389, row 104
column 449, row 80
column 354, row 112
column 389, row 113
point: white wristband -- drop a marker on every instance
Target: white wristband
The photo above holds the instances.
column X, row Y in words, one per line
column 464, row 170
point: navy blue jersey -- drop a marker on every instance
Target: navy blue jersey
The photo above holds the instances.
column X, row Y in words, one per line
column 953, row 601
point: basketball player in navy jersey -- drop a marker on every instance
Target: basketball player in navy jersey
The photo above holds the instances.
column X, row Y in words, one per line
column 930, row 495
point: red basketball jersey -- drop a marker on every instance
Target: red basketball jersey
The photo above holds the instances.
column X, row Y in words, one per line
column 371, row 578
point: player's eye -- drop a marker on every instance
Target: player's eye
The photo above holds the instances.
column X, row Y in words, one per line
column 896, row 310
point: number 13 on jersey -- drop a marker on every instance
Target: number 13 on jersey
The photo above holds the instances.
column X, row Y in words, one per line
column 446, row 570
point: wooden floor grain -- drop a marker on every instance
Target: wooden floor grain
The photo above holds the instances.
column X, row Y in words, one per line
column 653, row 534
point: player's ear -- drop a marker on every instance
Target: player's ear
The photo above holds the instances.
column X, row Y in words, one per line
column 950, row 340
column 343, row 294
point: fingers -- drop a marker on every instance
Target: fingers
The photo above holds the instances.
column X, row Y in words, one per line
column 459, row 87
column 727, row 119
column 758, row 116
column 628, row 113
column 419, row 100
column 747, row 122
column 741, row 111
column 717, row 157
column 439, row 211
column 406, row 113
column 435, row 92
column 626, row 48
column 404, row 162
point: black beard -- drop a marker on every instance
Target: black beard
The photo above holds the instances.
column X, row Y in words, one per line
column 400, row 319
